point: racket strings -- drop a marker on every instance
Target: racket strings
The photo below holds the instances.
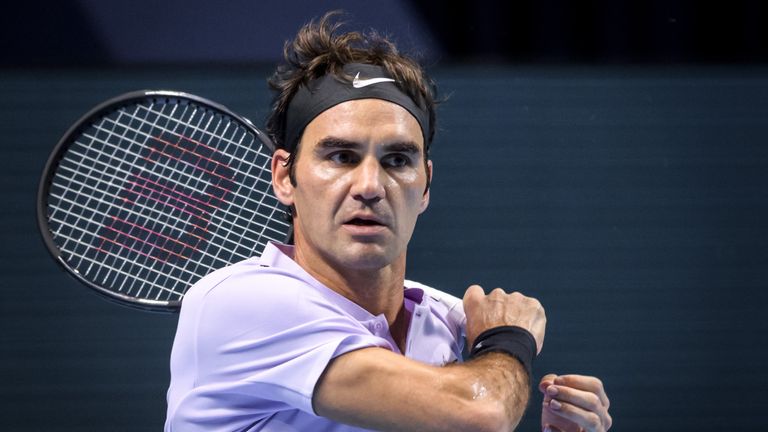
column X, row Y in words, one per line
column 260, row 177
column 145, row 189
column 99, row 248
column 157, row 219
column 91, row 226
column 178, row 175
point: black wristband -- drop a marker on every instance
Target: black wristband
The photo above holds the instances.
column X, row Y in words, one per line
column 515, row 341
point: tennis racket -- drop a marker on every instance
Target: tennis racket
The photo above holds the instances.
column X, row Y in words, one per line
column 152, row 190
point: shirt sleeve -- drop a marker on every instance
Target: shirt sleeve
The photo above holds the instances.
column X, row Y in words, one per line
column 264, row 340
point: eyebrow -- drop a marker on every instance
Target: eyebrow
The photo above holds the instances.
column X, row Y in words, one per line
column 337, row 143
column 340, row 143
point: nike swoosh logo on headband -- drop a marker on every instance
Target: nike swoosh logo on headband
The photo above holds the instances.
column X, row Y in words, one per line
column 360, row 83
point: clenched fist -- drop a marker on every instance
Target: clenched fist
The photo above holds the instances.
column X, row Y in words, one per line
column 501, row 309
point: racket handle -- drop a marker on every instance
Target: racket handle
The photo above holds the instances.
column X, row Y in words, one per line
column 456, row 316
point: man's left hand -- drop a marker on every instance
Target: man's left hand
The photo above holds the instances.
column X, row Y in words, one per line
column 574, row 403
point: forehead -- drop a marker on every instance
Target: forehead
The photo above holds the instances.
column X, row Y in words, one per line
column 365, row 121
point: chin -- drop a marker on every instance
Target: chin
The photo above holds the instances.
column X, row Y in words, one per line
column 368, row 257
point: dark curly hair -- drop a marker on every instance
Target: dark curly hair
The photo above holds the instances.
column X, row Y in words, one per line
column 320, row 49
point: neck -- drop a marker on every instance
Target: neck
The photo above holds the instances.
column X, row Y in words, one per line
column 379, row 290
column 376, row 288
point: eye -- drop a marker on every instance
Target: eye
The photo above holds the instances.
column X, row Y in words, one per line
column 396, row 160
column 343, row 157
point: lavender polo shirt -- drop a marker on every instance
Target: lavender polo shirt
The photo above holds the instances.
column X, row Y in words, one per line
column 254, row 338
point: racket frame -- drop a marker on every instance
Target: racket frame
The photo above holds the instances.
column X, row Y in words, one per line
column 98, row 112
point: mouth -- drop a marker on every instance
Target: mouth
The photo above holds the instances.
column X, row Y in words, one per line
column 364, row 222
column 365, row 225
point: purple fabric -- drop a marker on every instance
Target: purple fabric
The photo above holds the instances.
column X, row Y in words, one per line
column 254, row 338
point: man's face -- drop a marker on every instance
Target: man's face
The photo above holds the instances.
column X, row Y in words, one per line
column 360, row 185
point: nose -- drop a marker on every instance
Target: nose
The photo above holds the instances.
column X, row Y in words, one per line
column 368, row 183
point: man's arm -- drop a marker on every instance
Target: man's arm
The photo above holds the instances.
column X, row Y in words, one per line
column 377, row 389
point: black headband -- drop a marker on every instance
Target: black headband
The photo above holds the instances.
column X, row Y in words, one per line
column 370, row 82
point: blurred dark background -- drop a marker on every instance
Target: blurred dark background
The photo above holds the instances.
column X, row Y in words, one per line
column 608, row 158
column 110, row 33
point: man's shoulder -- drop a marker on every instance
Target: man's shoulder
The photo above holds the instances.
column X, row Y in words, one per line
column 444, row 307
column 249, row 281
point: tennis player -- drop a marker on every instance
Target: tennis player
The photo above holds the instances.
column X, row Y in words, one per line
column 327, row 335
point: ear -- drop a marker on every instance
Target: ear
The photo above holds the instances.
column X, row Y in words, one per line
column 281, row 179
column 425, row 197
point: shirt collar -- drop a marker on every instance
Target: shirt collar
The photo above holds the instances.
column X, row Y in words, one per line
column 278, row 255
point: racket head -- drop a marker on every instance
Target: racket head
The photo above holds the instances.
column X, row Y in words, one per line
column 153, row 189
